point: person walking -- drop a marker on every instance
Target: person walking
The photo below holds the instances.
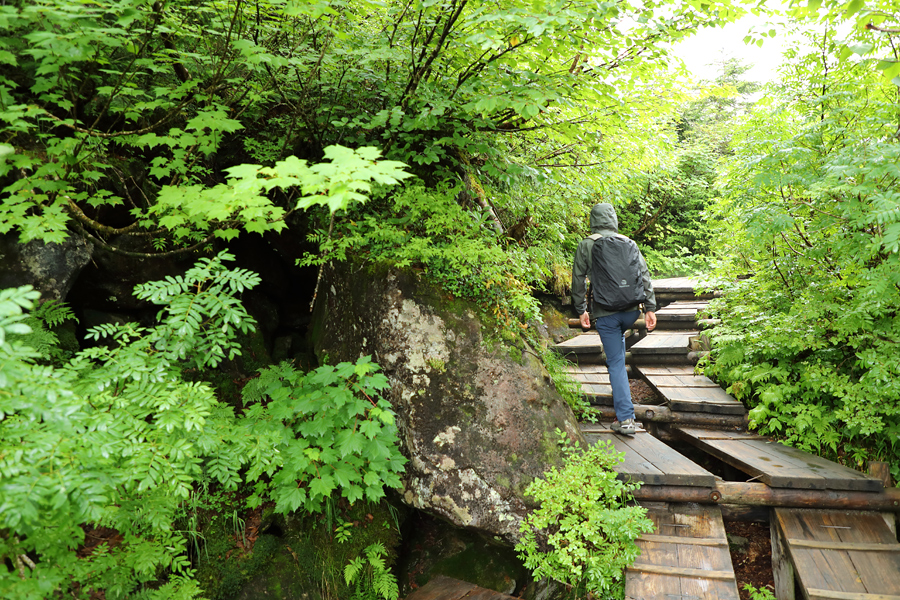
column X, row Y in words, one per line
column 611, row 324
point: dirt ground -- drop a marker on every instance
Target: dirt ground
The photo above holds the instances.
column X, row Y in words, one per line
column 752, row 561
column 642, row 393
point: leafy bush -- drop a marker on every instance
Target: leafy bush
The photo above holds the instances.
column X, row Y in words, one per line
column 810, row 340
column 583, row 533
column 117, row 439
column 319, row 432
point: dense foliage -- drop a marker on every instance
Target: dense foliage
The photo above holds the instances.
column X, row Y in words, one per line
column 813, row 217
column 117, row 438
column 583, row 534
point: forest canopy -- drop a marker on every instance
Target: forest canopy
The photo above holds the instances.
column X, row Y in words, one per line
column 464, row 138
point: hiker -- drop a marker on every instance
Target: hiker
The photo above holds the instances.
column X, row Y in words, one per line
column 612, row 321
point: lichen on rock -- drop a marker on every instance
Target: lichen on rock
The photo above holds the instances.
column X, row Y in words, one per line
column 476, row 423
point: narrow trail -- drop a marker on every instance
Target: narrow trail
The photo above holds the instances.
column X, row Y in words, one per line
column 699, row 465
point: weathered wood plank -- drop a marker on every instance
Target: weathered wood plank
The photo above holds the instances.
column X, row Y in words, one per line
column 447, row 588
column 646, row 370
column 815, row 594
column 652, row 462
column 664, row 342
column 778, row 465
column 674, row 539
column 682, row 571
column 839, row 554
column 688, row 556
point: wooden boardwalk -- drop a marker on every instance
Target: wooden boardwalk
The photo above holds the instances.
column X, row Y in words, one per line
column 594, row 382
column 685, row 391
column 447, row 588
column 687, row 556
column 837, row 557
column 649, row 460
column 663, row 346
column 834, row 555
column 778, row 465
column 679, row 315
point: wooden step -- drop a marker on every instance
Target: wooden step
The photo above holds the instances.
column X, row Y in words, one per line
column 447, row 588
column 680, row 315
column 687, row 557
column 649, row 460
column 594, row 380
column 686, row 392
column 663, row 347
column 680, row 288
column 587, row 349
column 834, row 555
column 775, row 464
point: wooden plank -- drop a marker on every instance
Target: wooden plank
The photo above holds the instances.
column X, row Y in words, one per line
column 708, row 400
column 688, row 558
column 674, row 539
column 652, row 462
column 447, row 588
column 778, row 465
column 664, row 342
column 844, row 546
column 648, row 370
column 682, row 571
column 660, row 381
column 815, row 594
column 837, row 553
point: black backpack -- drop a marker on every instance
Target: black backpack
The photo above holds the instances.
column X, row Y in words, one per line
column 616, row 280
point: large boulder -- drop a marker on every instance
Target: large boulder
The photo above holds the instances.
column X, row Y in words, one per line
column 51, row 268
column 478, row 421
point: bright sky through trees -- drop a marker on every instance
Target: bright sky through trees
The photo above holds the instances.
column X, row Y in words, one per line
column 705, row 51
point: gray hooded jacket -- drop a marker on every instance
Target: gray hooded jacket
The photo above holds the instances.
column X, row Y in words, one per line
column 605, row 222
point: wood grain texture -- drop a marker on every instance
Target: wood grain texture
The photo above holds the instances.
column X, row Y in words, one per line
column 650, row 461
column 775, row 464
column 687, row 556
column 841, row 553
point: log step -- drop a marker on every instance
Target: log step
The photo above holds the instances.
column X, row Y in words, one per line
column 834, row 554
column 663, row 343
column 687, row 557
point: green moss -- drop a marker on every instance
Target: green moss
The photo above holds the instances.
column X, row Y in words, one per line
column 299, row 556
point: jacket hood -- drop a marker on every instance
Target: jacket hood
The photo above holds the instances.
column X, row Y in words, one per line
column 603, row 216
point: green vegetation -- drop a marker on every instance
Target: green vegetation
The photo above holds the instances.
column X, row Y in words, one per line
column 583, row 533
column 117, row 438
column 812, row 215
column 464, row 139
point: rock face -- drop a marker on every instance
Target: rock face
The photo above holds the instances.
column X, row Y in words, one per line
column 50, row 268
column 477, row 424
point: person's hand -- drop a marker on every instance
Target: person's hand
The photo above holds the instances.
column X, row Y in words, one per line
column 585, row 320
column 650, row 319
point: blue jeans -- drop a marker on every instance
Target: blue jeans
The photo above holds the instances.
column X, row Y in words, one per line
column 612, row 334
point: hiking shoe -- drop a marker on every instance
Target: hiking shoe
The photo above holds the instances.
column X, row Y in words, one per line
column 626, row 427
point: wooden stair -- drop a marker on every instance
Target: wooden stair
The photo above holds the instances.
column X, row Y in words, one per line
column 779, row 476
column 687, row 556
column 834, row 555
